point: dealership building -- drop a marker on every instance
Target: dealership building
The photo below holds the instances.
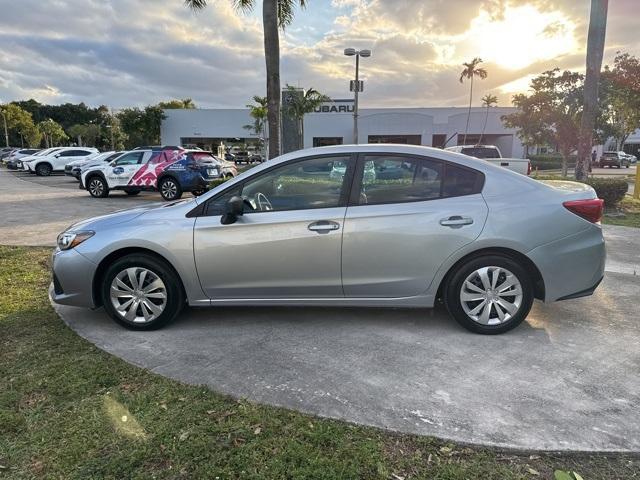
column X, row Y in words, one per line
column 332, row 124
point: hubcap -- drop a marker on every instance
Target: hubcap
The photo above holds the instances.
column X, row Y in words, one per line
column 138, row 295
column 95, row 187
column 169, row 189
column 491, row 295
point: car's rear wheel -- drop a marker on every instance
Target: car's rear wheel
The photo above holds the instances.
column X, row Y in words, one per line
column 170, row 189
column 97, row 187
column 141, row 292
column 489, row 294
column 43, row 170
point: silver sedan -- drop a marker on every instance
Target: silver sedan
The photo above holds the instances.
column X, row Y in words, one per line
column 353, row 225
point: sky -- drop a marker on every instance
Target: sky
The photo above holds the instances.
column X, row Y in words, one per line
column 123, row 53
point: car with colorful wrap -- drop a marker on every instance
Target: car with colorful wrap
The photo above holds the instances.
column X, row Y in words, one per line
column 169, row 171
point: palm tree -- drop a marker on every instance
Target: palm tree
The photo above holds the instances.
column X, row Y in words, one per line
column 258, row 111
column 595, row 52
column 470, row 71
column 301, row 104
column 275, row 14
column 488, row 101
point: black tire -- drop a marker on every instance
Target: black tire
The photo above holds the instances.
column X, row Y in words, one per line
column 170, row 189
column 43, row 170
column 175, row 298
column 132, row 192
column 97, row 187
column 455, row 283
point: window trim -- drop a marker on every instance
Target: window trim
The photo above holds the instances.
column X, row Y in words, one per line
column 202, row 209
column 354, row 197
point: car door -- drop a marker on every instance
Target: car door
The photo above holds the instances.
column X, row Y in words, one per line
column 123, row 168
column 288, row 242
column 406, row 215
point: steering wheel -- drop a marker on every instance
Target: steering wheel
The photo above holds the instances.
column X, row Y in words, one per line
column 263, row 202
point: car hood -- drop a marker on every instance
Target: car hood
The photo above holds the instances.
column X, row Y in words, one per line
column 122, row 216
column 78, row 163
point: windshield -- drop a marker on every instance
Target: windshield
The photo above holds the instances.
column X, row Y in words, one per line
column 481, row 152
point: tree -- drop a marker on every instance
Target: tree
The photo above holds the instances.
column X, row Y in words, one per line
column 52, row 132
column 89, row 133
column 258, row 112
column 488, row 101
column 275, row 14
column 550, row 113
column 619, row 95
column 595, row 52
column 470, row 71
column 300, row 105
column 185, row 103
column 19, row 123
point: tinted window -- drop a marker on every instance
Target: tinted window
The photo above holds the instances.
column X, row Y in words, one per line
column 481, row 152
column 132, row 158
column 460, row 181
column 396, row 179
column 312, row 183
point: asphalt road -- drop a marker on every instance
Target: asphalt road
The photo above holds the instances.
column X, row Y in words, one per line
column 567, row 379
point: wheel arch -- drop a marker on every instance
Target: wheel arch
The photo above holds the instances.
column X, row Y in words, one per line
column 115, row 255
column 42, row 162
column 96, row 173
column 526, row 262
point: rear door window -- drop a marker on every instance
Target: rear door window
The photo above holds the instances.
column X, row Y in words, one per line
column 481, row 152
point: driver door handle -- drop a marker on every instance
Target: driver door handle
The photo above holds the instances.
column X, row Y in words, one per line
column 323, row 226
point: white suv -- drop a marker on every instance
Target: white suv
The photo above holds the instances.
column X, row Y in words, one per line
column 56, row 159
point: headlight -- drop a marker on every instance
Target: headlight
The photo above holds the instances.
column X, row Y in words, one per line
column 67, row 240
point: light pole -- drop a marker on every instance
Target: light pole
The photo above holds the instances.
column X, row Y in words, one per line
column 356, row 86
column 6, row 133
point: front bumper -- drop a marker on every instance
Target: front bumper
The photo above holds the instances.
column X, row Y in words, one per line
column 72, row 279
column 573, row 266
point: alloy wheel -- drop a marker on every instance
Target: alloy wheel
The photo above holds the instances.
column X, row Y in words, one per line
column 138, row 295
column 169, row 189
column 96, row 188
column 491, row 295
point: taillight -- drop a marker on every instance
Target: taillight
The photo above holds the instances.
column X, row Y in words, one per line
column 588, row 209
column 529, row 168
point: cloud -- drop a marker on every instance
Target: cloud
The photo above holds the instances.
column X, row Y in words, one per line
column 136, row 52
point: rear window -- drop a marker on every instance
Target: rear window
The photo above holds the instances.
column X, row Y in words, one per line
column 459, row 181
column 481, row 152
column 202, row 157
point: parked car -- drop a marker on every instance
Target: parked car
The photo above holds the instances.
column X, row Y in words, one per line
column 256, row 158
column 230, row 157
column 492, row 154
column 614, row 159
column 6, row 151
column 171, row 172
column 632, row 158
column 74, row 168
column 451, row 227
column 42, row 153
column 14, row 160
column 56, row 159
column 242, row 157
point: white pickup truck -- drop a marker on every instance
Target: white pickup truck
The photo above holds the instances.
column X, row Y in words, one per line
column 492, row 154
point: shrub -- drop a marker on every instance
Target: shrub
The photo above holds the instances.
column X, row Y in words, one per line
column 611, row 190
column 550, row 162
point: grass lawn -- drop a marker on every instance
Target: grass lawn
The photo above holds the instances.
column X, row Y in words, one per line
column 630, row 208
column 69, row 410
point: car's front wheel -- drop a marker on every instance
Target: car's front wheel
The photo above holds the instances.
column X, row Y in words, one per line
column 43, row 170
column 170, row 189
column 97, row 187
column 141, row 292
column 489, row 294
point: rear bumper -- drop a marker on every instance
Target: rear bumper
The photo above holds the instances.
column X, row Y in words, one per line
column 573, row 266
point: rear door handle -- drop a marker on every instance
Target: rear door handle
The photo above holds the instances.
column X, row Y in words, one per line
column 323, row 226
column 456, row 221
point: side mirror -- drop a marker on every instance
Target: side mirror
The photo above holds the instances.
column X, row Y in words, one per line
column 234, row 208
